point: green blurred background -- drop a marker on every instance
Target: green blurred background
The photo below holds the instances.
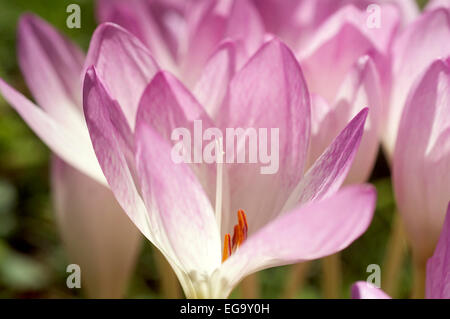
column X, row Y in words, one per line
column 32, row 259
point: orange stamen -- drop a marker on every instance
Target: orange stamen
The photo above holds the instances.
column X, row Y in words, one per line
column 240, row 232
column 226, row 247
column 242, row 220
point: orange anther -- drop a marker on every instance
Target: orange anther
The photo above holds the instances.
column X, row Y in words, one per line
column 242, row 220
column 226, row 247
column 240, row 232
column 236, row 237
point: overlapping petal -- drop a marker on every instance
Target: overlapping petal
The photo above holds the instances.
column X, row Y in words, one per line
column 179, row 206
column 339, row 43
column 420, row 166
column 361, row 88
column 166, row 106
column 124, row 63
column 152, row 22
column 428, row 36
column 141, row 165
column 114, row 147
column 268, row 93
column 328, row 173
column 213, row 21
column 212, row 86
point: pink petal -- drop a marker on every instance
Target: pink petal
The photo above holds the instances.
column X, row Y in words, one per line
column 361, row 88
column 338, row 44
column 212, row 86
column 268, row 93
column 210, row 22
column 428, row 35
column 365, row 290
column 176, row 201
column 328, row 173
column 114, row 146
column 307, row 232
column 422, row 154
column 124, row 63
column 245, row 26
column 409, row 10
column 98, row 235
column 167, row 105
column 438, row 266
column 147, row 20
column 52, row 66
column 71, row 145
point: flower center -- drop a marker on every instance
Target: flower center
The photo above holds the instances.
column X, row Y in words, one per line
column 239, row 236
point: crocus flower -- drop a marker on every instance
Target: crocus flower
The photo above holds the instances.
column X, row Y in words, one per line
column 98, row 235
column 282, row 218
column 182, row 35
column 422, row 160
column 438, row 272
column 428, row 36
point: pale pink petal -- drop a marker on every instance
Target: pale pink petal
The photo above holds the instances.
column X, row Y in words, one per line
column 420, row 165
column 361, row 88
column 268, row 95
column 209, row 23
column 244, row 25
column 75, row 148
column 114, row 147
column 124, row 63
column 166, row 106
column 328, row 173
column 339, row 42
column 176, row 201
column 147, row 20
column 428, row 36
column 52, row 67
column 308, row 232
column 212, row 86
column 365, row 290
column 97, row 233
column 438, row 266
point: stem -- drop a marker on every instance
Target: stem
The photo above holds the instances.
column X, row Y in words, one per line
column 332, row 276
column 418, row 291
column 170, row 286
column 250, row 287
column 296, row 278
column 394, row 258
